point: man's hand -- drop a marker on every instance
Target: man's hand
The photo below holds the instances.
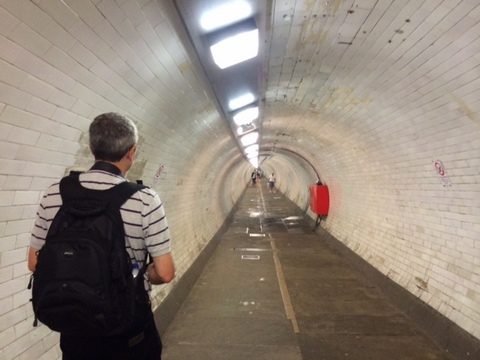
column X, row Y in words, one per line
column 32, row 259
column 162, row 270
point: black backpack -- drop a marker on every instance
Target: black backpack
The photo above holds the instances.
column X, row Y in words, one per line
column 83, row 283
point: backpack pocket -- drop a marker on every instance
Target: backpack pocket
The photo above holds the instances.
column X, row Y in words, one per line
column 73, row 308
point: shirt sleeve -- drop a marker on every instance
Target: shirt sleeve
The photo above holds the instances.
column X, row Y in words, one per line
column 155, row 227
column 47, row 210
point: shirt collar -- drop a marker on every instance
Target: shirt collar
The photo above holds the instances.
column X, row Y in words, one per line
column 106, row 166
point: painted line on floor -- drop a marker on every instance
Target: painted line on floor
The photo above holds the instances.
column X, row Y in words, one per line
column 287, row 301
column 263, row 201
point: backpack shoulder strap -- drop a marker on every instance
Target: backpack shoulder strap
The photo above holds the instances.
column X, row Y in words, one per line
column 120, row 193
column 70, row 186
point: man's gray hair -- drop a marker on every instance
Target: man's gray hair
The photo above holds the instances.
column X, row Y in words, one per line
column 111, row 136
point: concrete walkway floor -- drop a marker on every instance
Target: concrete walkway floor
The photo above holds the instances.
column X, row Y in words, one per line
column 273, row 290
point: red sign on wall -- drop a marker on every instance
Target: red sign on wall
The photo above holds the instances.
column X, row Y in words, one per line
column 440, row 169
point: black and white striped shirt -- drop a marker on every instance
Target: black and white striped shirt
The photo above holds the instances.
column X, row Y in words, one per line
column 145, row 224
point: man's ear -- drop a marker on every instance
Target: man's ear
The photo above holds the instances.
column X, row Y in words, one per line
column 131, row 153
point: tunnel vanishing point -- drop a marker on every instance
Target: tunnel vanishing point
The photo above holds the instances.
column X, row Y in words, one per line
column 377, row 99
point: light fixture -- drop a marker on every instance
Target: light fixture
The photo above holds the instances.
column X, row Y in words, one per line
column 244, row 129
column 235, row 49
column 249, row 139
column 246, row 116
column 251, row 148
column 225, row 14
column 254, row 162
column 240, row 130
column 241, row 101
column 252, row 155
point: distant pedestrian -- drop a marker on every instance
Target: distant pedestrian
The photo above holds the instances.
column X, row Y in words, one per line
column 271, row 183
column 254, row 177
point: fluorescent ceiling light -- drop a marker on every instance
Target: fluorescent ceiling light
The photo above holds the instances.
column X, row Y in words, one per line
column 254, row 162
column 241, row 101
column 246, row 116
column 249, row 139
column 235, row 49
column 251, row 148
column 252, row 155
column 225, row 14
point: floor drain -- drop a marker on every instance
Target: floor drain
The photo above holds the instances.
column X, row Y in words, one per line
column 250, row 257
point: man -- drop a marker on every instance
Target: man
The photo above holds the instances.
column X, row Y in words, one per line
column 271, row 183
column 113, row 140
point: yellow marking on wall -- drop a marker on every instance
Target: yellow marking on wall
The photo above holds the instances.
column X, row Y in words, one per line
column 348, row 98
column 465, row 109
column 184, row 67
column 336, row 5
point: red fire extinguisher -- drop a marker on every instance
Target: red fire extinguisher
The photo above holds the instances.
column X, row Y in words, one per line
column 319, row 199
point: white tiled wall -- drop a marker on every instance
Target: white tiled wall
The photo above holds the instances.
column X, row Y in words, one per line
column 373, row 117
column 61, row 64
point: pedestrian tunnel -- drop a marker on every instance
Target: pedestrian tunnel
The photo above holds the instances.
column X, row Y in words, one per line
column 376, row 100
